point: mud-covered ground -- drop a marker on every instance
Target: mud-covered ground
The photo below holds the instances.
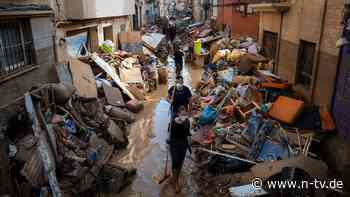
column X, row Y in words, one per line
column 147, row 149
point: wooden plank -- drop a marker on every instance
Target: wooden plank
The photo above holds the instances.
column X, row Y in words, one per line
column 83, row 79
column 111, row 72
column 132, row 75
column 113, row 95
column 129, row 37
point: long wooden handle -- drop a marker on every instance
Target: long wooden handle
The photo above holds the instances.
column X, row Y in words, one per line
column 166, row 163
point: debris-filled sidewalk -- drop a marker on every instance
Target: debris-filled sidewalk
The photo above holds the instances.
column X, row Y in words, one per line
column 250, row 123
column 65, row 134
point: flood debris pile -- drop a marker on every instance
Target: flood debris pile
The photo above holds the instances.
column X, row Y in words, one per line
column 247, row 121
column 62, row 139
column 62, row 143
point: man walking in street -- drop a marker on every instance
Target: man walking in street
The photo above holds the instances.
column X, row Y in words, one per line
column 179, row 143
column 171, row 31
column 179, row 95
column 178, row 58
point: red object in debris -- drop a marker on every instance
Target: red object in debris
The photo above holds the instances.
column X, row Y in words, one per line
column 230, row 110
column 327, row 120
column 208, row 137
column 274, row 85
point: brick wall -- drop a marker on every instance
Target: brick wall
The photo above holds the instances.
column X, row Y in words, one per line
column 240, row 25
column 304, row 22
column 329, row 53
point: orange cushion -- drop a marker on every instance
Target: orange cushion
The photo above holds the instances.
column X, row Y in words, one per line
column 286, row 109
column 274, row 85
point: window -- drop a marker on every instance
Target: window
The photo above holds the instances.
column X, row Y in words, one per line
column 122, row 27
column 16, row 46
column 270, row 44
column 108, row 33
column 305, row 63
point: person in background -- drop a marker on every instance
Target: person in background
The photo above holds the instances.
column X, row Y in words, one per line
column 178, row 57
column 179, row 142
column 227, row 31
column 171, row 34
column 179, row 95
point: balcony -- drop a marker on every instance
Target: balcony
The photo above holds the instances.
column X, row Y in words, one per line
column 269, row 5
column 90, row 9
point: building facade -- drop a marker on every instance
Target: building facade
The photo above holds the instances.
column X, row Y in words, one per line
column 87, row 24
column 239, row 16
column 37, row 34
column 301, row 36
column 27, row 52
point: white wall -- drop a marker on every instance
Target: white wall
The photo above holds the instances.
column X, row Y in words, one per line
column 85, row 9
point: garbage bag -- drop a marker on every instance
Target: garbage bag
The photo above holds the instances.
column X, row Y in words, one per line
column 208, row 116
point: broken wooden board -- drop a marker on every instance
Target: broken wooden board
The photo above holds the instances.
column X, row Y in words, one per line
column 130, row 41
column 129, row 37
column 113, row 95
column 33, row 170
column 83, row 79
column 132, row 75
column 63, row 73
column 112, row 73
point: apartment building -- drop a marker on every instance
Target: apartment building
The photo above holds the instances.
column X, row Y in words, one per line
column 301, row 36
column 26, row 47
column 87, row 24
column 36, row 34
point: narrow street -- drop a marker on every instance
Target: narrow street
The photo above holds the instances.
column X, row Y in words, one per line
column 174, row 98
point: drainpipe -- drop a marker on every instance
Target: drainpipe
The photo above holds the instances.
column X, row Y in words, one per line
column 319, row 51
column 279, row 45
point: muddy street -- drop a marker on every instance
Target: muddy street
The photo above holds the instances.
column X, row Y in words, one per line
column 147, row 148
column 93, row 104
